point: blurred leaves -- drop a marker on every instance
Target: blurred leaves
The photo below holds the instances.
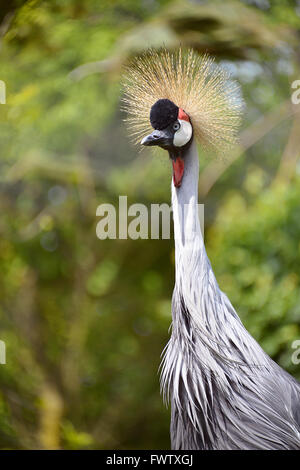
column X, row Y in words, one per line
column 255, row 249
column 101, row 278
column 225, row 29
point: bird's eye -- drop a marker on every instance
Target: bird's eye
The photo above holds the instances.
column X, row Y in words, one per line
column 176, row 126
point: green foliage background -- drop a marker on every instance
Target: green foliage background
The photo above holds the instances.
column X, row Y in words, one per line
column 84, row 320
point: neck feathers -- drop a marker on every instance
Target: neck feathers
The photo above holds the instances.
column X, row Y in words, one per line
column 189, row 245
column 185, row 202
column 225, row 391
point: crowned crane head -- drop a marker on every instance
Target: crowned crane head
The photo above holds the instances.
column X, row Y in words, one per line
column 181, row 95
column 173, row 131
column 173, row 128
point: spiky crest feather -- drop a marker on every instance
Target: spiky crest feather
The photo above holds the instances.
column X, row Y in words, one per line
column 194, row 83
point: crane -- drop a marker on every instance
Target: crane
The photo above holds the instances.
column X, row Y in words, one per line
column 225, row 391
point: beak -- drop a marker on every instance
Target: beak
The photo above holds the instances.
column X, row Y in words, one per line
column 162, row 138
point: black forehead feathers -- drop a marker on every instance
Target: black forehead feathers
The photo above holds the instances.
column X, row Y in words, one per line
column 163, row 113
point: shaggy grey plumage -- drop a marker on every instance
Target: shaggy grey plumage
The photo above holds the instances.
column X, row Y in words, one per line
column 225, row 392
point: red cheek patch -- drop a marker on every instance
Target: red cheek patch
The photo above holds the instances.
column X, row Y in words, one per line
column 182, row 115
column 178, row 169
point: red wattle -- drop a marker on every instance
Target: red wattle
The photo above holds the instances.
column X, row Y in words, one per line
column 182, row 115
column 178, row 169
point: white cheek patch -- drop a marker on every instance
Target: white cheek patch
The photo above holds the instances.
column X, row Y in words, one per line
column 183, row 135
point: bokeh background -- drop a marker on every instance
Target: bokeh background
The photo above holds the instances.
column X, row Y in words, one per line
column 84, row 320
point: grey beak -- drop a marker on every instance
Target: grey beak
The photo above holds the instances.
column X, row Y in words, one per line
column 162, row 138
